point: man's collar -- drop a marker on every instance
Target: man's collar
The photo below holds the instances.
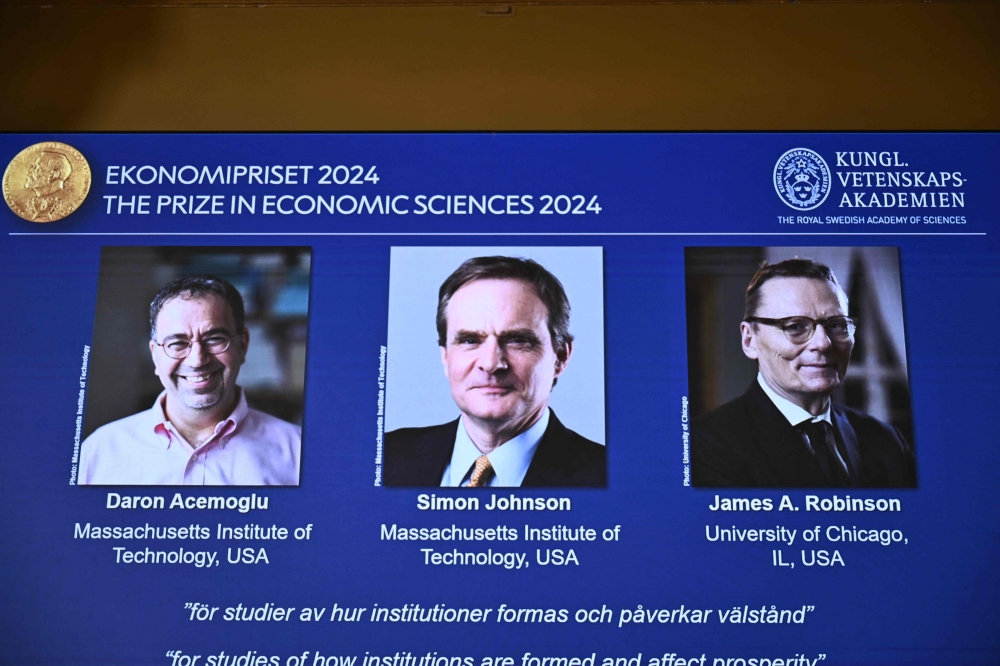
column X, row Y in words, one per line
column 159, row 424
column 796, row 415
column 510, row 460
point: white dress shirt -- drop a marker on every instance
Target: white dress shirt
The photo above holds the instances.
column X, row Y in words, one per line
column 797, row 415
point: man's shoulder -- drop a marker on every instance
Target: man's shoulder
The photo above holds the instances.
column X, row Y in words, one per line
column 871, row 431
column 745, row 442
column 405, row 438
column 864, row 419
column 729, row 420
column 275, row 447
column 568, row 459
column 126, row 443
column 127, row 429
column 272, row 426
column 418, row 456
column 886, row 458
column 727, row 412
column 578, row 443
column 274, row 443
column 589, row 455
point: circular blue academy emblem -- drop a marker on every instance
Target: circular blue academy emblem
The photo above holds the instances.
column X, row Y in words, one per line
column 802, row 179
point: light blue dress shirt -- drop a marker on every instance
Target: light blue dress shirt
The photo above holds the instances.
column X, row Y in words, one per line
column 510, row 460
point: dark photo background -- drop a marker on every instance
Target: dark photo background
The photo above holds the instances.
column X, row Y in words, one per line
column 274, row 283
column 717, row 278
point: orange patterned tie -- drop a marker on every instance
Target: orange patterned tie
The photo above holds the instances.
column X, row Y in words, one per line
column 482, row 472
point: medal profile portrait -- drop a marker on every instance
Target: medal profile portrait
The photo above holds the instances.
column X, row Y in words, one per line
column 46, row 182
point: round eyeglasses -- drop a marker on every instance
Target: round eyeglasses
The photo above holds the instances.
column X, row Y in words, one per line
column 178, row 348
column 800, row 329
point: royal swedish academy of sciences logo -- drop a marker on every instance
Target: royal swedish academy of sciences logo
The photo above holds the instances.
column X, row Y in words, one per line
column 802, row 179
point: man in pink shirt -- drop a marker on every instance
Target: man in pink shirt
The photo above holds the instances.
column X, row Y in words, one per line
column 200, row 430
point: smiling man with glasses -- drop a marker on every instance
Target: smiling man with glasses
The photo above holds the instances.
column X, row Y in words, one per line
column 785, row 431
column 200, row 430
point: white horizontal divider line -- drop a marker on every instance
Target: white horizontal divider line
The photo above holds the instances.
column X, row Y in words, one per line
column 497, row 233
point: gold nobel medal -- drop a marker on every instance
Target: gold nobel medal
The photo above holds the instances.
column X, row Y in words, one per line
column 46, row 182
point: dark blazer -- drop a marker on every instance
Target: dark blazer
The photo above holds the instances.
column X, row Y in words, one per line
column 419, row 456
column 749, row 443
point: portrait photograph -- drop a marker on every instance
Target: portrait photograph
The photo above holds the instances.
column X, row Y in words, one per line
column 797, row 368
column 197, row 368
column 495, row 367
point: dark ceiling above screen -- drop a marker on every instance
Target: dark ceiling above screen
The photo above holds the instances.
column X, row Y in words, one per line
column 486, row 8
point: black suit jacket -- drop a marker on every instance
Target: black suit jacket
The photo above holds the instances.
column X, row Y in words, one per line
column 419, row 456
column 749, row 443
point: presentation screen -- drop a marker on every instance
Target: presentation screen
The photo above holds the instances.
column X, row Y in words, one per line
column 619, row 399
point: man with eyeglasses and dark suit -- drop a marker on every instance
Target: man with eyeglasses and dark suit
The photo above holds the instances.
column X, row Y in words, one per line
column 200, row 430
column 785, row 431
